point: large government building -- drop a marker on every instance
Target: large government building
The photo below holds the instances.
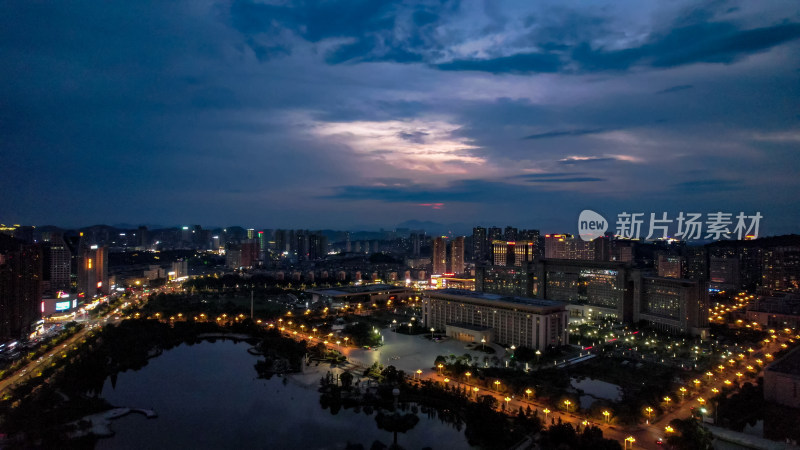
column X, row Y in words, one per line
column 518, row 321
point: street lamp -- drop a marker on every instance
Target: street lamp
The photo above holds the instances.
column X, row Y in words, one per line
column 497, row 385
column 475, row 389
column 607, row 414
column 629, row 439
column 669, row 429
column 546, row 412
column 507, row 399
column 432, row 330
column 468, row 374
column 567, row 403
column 528, row 393
column 483, row 344
column 538, row 354
column 419, row 373
column 649, row 411
column 440, row 366
column 683, row 392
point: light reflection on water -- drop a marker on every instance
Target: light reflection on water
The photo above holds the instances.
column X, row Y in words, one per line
column 207, row 396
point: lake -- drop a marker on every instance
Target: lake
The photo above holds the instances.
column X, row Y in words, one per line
column 207, row 395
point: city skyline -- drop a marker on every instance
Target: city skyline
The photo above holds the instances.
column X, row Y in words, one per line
column 466, row 113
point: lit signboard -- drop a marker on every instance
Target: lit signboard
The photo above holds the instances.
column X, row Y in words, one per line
column 75, row 303
column 62, row 306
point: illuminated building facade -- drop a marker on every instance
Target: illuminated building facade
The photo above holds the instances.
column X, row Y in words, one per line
column 457, row 255
column 513, row 253
column 93, row 271
column 519, row 321
column 439, row 257
column 672, row 305
column 590, row 288
column 511, row 281
column 567, row 246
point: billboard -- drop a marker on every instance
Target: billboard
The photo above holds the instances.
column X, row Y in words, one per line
column 62, row 306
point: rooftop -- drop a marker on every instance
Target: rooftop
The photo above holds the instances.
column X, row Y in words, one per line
column 788, row 364
column 538, row 302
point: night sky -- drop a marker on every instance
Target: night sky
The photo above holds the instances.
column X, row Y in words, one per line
column 365, row 114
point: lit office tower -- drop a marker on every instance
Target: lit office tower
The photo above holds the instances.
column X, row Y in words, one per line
column 251, row 233
column 348, row 246
column 479, row 244
column 439, row 257
column 512, row 253
column 93, row 271
column 567, row 246
column 457, row 255
column 57, row 265
column 20, row 287
column 262, row 242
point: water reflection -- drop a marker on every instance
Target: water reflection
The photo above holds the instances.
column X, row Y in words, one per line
column 208, row 396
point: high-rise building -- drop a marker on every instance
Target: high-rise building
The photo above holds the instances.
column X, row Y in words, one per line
column 479, row 245
column 590, row 288
column 142, row 237
column 281, row 241
column 493, row 234
column 672, row 305
column 512, row 253
column 510, row 234
column 567, row 246
column 696, row 263
column 20, row 287
column 670, row 266
column 457, row 255
column 56, row 265
column 249, row 250
column 439, row 257
column 93, row 271
column 512, row 281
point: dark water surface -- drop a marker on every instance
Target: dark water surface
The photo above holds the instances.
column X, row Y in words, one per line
column 207, row 396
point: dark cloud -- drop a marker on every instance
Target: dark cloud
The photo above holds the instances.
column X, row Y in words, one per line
column 538, row 176
column 680, row 87
column 571, row 160
column 521, row 63
column 709, row 42
column 417, row 137
column 708, row 185
column 568, row 180
column 562, row 133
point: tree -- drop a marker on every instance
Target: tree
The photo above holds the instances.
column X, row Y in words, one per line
column 396, row 423
column 347, row 379
column 689, row 435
